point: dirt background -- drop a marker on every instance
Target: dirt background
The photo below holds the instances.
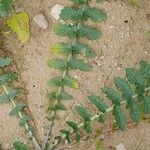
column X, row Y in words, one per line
column 123, row 44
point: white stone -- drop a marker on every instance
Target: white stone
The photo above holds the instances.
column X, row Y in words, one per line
column 56, row 11
column 41, row 21
column 120, row 147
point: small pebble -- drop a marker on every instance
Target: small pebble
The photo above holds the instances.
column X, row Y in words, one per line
column 6, row 146
column 102, row 137
column 120, row 147
column 41, row 21
column 56, row 11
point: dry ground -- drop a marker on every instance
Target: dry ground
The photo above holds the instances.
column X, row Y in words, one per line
column 123, row 44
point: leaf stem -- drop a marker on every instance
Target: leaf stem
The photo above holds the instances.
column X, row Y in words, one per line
column 64, row 73
column 63, row 136
column 61, row 88
column 35, row 143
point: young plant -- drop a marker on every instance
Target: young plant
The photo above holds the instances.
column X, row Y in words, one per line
column 76, row 30
column 9, row 94
column 132, row 92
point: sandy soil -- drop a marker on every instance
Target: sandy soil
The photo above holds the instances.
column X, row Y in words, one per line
column 123, row 44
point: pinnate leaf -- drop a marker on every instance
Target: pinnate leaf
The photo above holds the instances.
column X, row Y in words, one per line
column 83, row 112
column 97, row 101
column 87, row 127
column 16, row 109
column 67, row 133
column 145, row 69
column 4, row 62
column 73, row 125
column 68, row 48
column 134, row 76
column 7, row 77
column 11, row 95
column 65, row 30
column 69, row 13
column 62, row 96
column 88, row 32
column 134, row 111
column 18, row 145
column 119, row 117
column 101, row 118
column 5, row 6
column 147, row 104
column 123, row 86
column 112, row 95
column 79, row 65
column 95, row 14
column 80, row 2
column 73, row 31
column 57, row 64
column 57, row 107
column 66, row 81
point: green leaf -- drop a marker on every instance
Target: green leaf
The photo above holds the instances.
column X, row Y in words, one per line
column 75, row 129
column 61, row 48
column 80, row 2
column 77, row 137
column 101, row 118
column 76, row 14
column 7, row 78
column 79, row 65
column 135, row 113
column 66, row 81
column 57, row 64
column 99, row 1
column 95, row 14
column 83, row 49
column 67, row 134
column 57, row 107
column 147, row 104
column 73, row 125
column 11, row 95
column 24, row 120
column 88, row 32
column 58, row 138
column 99, row 145
column 62, row 96
column 68, row 48
column 16, row 109
column 72, row 31
column 5, row 6
column 4, row 62
column 145, row 69
column 18, row 145
column 87, row 127
column 97, row 101
column 70, row 13
column 119, row 117
column 56, row 81
column 111, row 95
column 84, row 114
column 70, row 82
column 65, row 30
column 134, row 76
column 123, row 86
column 19, row 24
